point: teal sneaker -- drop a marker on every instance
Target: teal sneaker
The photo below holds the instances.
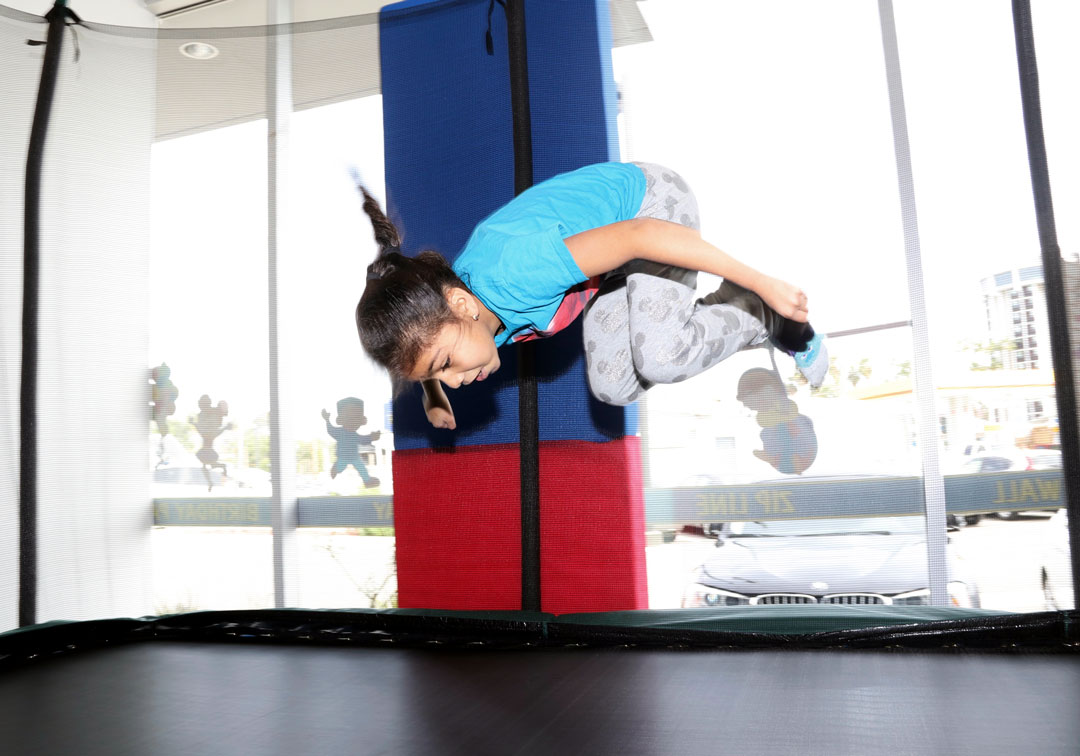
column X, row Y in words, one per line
column 813, row 362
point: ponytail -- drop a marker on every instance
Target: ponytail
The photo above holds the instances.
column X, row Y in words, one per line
column 404, row 305
column 386, row 233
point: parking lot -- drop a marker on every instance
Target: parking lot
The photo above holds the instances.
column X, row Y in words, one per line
column 1003, row 555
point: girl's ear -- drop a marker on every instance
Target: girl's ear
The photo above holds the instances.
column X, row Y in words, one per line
column 460, row 301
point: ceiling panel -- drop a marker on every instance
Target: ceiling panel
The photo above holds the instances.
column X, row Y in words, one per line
column 332, row 60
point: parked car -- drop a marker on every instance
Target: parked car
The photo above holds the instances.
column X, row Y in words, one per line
column 865, row 560
column 1004, row 460
column 1045, row 459
column 1056, row 568
column 983, row 462
column 999, row 460
column 961, row 521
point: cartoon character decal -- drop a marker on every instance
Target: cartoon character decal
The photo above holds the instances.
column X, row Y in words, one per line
column 350, row 418
column 210, row 423
column 787, row 438
column 163, row 395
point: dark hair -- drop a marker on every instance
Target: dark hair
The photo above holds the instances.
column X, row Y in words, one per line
column 404, row 305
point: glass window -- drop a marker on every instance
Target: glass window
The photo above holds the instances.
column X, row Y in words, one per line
column 778, row 184
column 212, row 568
column 208, row 325
column 991, row 524
column 208, row 356
column 210, row 447
column 1035, row 409
column 345, row 568
column 337, row 245
column 769, row 183
column 864, row 416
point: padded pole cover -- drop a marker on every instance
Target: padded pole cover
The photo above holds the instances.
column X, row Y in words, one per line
column 449, row 164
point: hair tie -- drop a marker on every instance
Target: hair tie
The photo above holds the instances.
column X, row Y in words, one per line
column 372, row 275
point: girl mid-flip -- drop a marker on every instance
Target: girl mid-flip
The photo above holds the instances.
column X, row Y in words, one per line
column 617, row 241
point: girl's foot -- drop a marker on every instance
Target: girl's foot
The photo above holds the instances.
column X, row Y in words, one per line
column 813, row 360
column 790, row 335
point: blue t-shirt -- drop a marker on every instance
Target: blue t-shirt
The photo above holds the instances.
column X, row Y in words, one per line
column 516, row 261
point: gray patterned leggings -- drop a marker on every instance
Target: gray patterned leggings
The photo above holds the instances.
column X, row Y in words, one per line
column 647, row 325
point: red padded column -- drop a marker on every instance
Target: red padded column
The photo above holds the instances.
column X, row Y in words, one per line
column 457, row 519
column 592, row 527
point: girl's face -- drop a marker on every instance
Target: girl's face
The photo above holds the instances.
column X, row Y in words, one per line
column 462, row 352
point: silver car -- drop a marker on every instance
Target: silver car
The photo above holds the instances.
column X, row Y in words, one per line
column 860, row 560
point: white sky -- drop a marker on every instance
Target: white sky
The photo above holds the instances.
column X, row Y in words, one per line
column 777, row 114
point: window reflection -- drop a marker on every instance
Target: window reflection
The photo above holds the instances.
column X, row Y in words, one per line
column 997, row 438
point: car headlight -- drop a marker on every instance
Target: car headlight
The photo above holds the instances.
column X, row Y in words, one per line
column 705, row 595
column 958, row 596
column 912, row 598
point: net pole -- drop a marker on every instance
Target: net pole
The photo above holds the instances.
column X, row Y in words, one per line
column 284, row 513
column 1053, row 275
column 28, row 501
column 927, row 414
column 528, row 402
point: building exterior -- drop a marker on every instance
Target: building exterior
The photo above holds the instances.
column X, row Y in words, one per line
column 1016, row 319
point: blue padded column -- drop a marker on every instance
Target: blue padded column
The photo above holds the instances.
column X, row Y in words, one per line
column 449, row 164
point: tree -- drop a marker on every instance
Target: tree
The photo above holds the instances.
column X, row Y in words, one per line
column 373, row 586
column 182, row 432
column 257, row 443
column 993, row 354
column 311, row 456
column 829, row 388
column 857, row 372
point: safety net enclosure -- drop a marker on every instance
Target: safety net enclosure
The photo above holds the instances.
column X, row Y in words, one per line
column 193, row 445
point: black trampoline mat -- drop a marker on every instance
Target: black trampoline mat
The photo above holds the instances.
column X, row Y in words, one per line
column 168, row 698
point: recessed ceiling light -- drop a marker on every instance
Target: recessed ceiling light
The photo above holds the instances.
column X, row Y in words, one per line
column 199, row 50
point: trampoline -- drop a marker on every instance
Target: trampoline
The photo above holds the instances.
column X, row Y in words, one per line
column 213, row 699
column 457, row 683
column 558, row 574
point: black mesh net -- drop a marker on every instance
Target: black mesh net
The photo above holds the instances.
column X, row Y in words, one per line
column 166, row 337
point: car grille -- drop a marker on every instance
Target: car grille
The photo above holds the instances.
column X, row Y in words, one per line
column 783, row 598
column 858, row 599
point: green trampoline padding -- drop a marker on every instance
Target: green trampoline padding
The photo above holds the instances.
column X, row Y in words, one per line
column 781, row 620
column 774, row 620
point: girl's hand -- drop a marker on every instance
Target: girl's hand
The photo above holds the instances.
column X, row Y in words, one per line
column 437, row 406
column 441, row 417
column 788, row 300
